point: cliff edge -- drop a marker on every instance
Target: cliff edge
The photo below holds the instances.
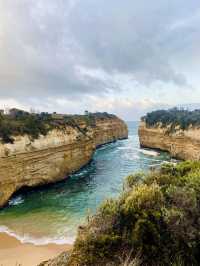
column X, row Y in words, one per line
column 29, row 162
column 174, row 131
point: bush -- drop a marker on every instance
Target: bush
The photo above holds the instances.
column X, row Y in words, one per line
column 156, row 220
column 32, row 125
column 35, row 125
column 173, row 118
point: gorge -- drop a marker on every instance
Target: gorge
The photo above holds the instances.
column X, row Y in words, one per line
column 157, row 214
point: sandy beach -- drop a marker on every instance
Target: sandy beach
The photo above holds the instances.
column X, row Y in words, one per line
column 14, row 253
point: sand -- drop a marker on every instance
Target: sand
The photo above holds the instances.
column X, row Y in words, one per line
column 14, row 253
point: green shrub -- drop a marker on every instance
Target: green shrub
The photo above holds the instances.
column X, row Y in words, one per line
column 173, row 118
column 35, row 125
column 133, row 180
column 157, row 217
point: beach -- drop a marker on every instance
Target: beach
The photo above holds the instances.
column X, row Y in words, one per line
column 15, row 253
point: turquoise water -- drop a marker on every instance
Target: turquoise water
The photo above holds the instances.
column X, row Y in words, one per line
column 52, row 214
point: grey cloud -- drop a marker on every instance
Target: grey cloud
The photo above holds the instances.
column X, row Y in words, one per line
column 38, row 56
column 43, row 42
column 127, row 36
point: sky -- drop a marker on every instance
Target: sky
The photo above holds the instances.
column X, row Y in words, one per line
column 124, row 57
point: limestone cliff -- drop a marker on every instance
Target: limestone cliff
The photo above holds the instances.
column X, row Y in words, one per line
column 50, row 158
column 181, row 144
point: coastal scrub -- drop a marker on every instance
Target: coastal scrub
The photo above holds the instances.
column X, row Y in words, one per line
column 155, row 221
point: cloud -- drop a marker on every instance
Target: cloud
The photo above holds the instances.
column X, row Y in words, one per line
column 38, row 56
column 128, row 109
column 127, row 37
column 72, row 50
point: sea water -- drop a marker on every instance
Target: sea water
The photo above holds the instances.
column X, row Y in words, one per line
column 53, row 213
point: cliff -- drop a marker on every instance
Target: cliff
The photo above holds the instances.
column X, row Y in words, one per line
column 181, row 144
column 28, row 162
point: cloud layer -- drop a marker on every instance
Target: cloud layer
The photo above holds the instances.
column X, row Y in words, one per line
column 71, row 51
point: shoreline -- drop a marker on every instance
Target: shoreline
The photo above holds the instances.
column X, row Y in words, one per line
column 15, row 253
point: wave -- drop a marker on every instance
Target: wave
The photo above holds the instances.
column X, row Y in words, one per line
column 124, row 148
column 155, row 165
column 149, row 152
column 27, row 239
column 174, row 162
column 130, row 156
column 150, row 159
column 105, row 146
column 16, row 201
column 129, row 146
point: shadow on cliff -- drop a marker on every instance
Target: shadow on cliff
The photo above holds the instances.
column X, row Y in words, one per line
column 78, row 182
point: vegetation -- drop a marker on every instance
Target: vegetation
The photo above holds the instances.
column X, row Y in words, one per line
column 173, row 117
column 19, row 122
column 26, row 123
column 154, row 222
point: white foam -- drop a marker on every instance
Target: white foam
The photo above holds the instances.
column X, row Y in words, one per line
column 123, row 148
column 155, row 165
column 37, row 241
column 16, row 201
column 151, row 159
column 170, row 162
column 150, row 153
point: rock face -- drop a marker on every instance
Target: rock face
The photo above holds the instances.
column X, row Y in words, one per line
column 50, row 158
column 181, row 144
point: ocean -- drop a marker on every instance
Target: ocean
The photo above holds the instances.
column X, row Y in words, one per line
column 53, row 213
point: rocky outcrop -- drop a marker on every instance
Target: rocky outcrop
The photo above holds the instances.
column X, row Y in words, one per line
column 181, row 144
column 50, row 158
